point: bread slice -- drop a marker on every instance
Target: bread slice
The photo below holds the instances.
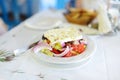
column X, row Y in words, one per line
column 80, row 16
column 63, row 34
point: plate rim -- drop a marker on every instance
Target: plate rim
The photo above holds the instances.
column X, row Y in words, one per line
column 91, row 43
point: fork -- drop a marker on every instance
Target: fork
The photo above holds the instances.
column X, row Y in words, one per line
column 6, row 55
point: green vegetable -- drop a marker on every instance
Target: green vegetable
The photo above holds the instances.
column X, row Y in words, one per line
column 47, row 52
column 57, row 46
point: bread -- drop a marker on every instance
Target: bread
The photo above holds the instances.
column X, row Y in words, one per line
column 62, row 34
column 80, row 16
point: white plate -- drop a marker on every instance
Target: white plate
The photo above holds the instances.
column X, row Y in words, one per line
column 79, row 59
column 43, row 23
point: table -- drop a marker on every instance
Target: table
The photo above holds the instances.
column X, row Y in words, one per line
column 104, row 65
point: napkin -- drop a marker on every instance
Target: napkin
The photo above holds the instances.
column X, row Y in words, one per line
column 103, row 20
column 114, row 14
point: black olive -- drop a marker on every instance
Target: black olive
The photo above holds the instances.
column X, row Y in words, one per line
column 43, row 37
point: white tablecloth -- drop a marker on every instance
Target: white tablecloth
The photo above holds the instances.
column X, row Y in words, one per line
column 104, row 65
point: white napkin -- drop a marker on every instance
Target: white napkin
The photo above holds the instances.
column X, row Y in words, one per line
column 115, row 15
column 103, row 20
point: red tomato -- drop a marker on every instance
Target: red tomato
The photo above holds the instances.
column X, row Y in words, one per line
column 55, row 51
column 78, row 48
column 81, row 48
column 75, row 48
column 74, row 53
column 69, row 54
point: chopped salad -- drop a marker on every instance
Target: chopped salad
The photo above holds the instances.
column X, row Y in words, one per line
column 61, row 49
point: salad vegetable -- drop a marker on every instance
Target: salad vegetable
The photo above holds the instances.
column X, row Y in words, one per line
column 66, row 49
column 62, row 42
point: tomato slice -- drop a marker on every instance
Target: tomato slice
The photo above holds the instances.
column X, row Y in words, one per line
column 79, row 48
column 55, row 51
column 75, row 50
column 69, row 54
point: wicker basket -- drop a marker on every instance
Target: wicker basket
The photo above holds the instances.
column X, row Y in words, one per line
column 80, row 16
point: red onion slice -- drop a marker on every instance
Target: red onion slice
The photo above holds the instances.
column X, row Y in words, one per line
column 41, row 45
column 63, row 53
column 63, row 44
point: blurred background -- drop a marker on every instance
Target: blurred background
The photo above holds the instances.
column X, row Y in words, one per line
column 12, row 12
